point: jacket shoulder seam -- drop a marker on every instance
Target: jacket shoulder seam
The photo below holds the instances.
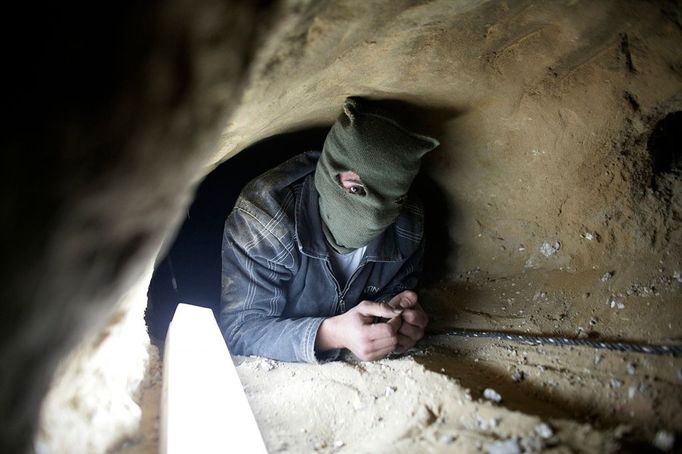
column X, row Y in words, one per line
column 266, row 228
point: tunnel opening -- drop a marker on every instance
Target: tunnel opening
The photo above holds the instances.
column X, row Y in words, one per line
column 189, row 272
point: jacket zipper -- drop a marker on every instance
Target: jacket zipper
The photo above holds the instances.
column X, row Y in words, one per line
column 341, row 294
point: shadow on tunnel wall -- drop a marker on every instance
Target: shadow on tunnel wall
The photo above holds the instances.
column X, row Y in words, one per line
column 190, row 271
column 441, row 249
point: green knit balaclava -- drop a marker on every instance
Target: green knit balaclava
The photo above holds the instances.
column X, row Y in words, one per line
column 384, row 155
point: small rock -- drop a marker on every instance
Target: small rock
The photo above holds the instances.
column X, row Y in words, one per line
column 448, row 439
column 615, row 304
column 517, row 376
column 532, row 444
column 677, row 276
column 611, row 302
column 631, row 368
column 539, row 296
column 615, row 383
column 598, row 359
column 664, row 440
column 679, row 374
column 487, row 424
column 606, row 276
column 265, row 364
column 504, row 447
column 547, row 249
column 390, row 390
column 588, row 236
column 544, row 430
column 492, row 395
column 632, row 391
column 644, row 388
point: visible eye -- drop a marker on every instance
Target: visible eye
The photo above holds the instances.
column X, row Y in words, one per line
column 351, row 183
column 357, row 189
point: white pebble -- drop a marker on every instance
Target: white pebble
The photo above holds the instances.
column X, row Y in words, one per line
column 492, row 395
column 504, row 447
column 664, row 440
column 631, row 368
column 547, row 249
column 544, row 430
column 448, row 439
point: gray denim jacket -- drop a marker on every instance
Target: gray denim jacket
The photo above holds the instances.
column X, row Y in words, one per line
column 277, row 280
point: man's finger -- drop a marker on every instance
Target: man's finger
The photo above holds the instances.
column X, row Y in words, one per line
column 374, row 309
column 412, row 331
column 406, row 299
column 416, row 317
column 382, row 330
column 395, row 322
column 404, row 343
column 384, row 343
column 382, row 353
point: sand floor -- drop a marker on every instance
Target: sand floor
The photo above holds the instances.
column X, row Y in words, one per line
column 433, row 399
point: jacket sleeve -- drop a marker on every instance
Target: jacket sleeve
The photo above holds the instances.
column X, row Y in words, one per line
column 257, row 265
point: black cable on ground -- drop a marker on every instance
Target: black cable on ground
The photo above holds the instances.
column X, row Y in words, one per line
column 529, row 339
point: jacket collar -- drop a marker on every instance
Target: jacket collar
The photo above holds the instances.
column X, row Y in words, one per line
column 310, row 238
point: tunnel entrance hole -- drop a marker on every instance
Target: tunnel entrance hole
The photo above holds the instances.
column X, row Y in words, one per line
column 189, row 271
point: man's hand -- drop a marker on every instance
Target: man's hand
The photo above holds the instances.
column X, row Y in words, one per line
column 414, row 319
column 356, row 331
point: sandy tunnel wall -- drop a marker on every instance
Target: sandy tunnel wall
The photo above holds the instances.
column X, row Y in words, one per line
column 548, row 107
column 113, row 112
column 544, row 110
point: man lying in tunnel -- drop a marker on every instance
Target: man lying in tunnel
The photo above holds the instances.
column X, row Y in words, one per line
column 319, row 249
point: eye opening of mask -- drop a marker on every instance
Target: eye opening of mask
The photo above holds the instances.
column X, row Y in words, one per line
column 351, row 183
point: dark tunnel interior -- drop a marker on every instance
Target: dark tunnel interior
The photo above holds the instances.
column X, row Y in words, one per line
column 189, row 272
